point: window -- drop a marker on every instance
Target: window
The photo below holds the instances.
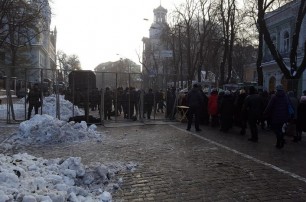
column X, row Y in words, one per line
column 286, row 42
column 42, row 60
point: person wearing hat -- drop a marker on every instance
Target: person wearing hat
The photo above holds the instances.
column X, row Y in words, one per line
column 277, row 111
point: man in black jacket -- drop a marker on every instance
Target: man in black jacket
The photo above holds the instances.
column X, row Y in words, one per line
column 149, row 102
column 34, row 99
column 194, row 101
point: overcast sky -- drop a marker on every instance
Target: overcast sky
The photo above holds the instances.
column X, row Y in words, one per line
column 98, row 30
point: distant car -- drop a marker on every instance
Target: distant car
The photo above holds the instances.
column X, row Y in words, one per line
column 22, row 92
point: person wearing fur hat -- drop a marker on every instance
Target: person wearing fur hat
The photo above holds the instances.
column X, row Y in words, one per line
column 277, row 111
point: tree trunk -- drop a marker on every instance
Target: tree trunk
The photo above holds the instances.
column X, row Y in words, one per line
column 259, row 58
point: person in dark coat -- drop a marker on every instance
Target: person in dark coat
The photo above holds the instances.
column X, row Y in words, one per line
column 132, row 102
column 204, row 117
column 239, row 116
column 253, row 108
column 226, row 111
column 277, row 110
column 34, row 99
column 108, row 101
column 194, row 102
column 301, row 119
column 137, row 102
column 94, row 99
column 171, row 97
column 292, row 127
column 148, row 103
column 119, row 101
column 159, row 101
column 125, row 102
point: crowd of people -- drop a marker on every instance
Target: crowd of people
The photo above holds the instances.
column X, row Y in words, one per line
column 126, row 102
column 279, row 111
column 248, row 109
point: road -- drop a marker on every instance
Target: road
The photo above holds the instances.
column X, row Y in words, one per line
column 178, row 165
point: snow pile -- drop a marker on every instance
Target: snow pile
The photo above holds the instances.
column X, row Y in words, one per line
column 26, row 178
column 66, row 108
column 47, row 130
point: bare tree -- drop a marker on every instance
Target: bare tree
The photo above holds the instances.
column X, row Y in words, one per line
column 62, row 59
column 23, row 23
column 208, row 37
column 186, row 14
column 295, row 71
column 74, row 62
column 5, row 7
column 197, row 29
column 256, row 10
column 68, row 63
column 227, row 10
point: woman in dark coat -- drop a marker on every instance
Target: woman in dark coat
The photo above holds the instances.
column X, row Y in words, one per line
column 226, row 111
column 277, row 110
column 301, row 119
column 239, row 116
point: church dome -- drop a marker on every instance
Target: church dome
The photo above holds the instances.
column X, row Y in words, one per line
column 160, row 9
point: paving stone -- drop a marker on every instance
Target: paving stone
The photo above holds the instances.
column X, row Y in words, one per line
column 178, row 166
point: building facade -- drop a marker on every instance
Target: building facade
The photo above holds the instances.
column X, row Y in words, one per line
column 281, row 24
column 36, row 59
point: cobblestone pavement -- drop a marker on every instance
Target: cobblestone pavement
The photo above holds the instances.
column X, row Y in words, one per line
column 176, row 165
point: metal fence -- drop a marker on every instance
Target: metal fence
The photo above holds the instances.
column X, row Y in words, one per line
column 125, row 93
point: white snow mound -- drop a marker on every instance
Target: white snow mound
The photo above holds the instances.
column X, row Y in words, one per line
column 24, row 177
column 46, row 130
column 66, row 108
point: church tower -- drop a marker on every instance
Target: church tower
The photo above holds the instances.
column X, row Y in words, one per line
column 160, row 15
column 160, row 22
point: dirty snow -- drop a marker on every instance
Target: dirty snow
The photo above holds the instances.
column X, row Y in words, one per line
column 47, row 130
column 67, row 109
column 26, row 178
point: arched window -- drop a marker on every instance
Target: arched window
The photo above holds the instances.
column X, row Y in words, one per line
column 273, row 37
column 286, row 42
